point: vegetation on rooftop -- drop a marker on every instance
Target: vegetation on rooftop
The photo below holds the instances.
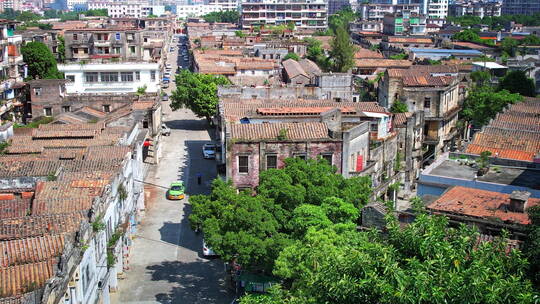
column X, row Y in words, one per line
column 222, row 16
column 399, row 106
column 35, row 123
column 291, row 56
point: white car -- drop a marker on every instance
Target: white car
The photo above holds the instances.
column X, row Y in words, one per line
column 167, row 75
column 207, row 251
column 165, row 131
column 209, row 151
column 168, row 66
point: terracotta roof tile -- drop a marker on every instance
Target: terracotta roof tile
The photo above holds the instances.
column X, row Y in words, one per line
column 23, row 278
column 14, row 208
column 236, row 109
column 382, row 63
column 363, row 53
column 27, row 168
column 513, row 134
column 401, row 118
column 293, row 68
column 480, row 204
column 29, row 226
column 295, row 131
column 31, row 250
column 394, row 39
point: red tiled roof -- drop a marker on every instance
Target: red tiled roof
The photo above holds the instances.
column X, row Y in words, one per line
column 480, row 204
column 363, row 53
column 401, row 118
column 30, row 250
column 23, row 278
column 39, row 225
column 382, row 63
column 295, row 131
column 425, row 81
column 394, row 39
column 13, row 208
column 302, row 110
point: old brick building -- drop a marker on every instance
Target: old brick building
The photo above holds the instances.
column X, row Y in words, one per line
column 435, row 90
column 253, row 148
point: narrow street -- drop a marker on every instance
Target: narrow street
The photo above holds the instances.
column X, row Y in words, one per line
column 166, row 263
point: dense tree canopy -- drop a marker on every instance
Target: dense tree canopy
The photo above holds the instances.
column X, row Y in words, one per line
column 484, row 102
column 254, row 229
column 425, row 262
column 222, row 16
column 518, row 82
column 497, row 23
column 40, row 60
column 291, row 56
column 197, row 92
column 531, row 247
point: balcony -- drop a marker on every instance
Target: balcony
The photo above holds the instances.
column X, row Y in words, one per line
column 102, row 43
column 15, row 39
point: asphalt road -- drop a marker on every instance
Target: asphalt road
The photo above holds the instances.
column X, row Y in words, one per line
column 166, row 263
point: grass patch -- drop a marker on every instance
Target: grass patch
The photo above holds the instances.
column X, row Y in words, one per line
column 35, row 123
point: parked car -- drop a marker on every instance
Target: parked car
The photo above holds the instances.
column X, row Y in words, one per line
column 209, row 151
column 168, row 66
column 171, row 49
column 167, row 75
column 165, row 85
column 165, row 131
column 165, row 97
column 207, row 251
column 176, row 191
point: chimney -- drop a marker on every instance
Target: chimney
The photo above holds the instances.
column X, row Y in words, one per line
column 518, row 201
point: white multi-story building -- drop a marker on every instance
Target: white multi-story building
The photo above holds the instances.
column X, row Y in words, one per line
column 127, row 8
column 71, row 4
column 476, row 8
column 308, row 14
column 99, row 78
column 225, row 4
column 376, row 12
column 196, row 10
column 436, row 9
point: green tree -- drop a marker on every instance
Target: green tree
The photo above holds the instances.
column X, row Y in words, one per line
column 425, row 262
column 518, row 82
column 509, row 45
column 103, row 12
column 27, row 16
column 341, row 19
column 304, row 195
column 531, row 246
column 40, row 60
column 197, row 92
column 239, row 34
column 481, row 77
column 530, row 40
column 401, row 56
column 342, row 52
column 484, row 102
column 399, row 107
column 51, row 14
column 291, row 56
column 467, row 35
column 222, row 16
column 316, row 53
column 61, row 49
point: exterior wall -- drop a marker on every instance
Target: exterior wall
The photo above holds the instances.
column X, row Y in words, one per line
column 198, row 10
column 355, row 148
column 257, row 157
column 123, row 45
column 410, row 138
column 79, row 85
column 305, row 14
column 520, row 7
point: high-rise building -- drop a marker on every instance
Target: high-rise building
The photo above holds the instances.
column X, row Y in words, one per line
column 520, row 7
column 475, row 8
column 307, row 14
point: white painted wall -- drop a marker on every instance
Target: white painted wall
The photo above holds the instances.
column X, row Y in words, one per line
column 79, row 84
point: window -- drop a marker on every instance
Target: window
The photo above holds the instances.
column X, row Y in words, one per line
column 70, row 78
column 85, row 50
column 271, row 161
column 153, row 75
column 137, row 75
column 86, row 278
column 91, row 76
column 109, row 76
column 47, row 111
column 427, row 102
column 300, row 155
column 126, row 76
column 106, row 108
column 66, row 109
column 327, row 157
column 37, row 91
column 132, row 49
column 75, row 37
column 243, row 164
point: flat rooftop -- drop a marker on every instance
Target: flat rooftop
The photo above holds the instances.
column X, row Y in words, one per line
column 521, row 177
